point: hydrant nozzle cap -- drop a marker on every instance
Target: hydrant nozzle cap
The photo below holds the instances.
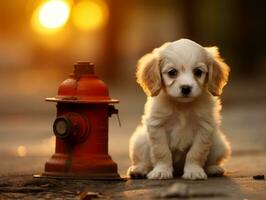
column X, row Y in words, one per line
column 83, row 68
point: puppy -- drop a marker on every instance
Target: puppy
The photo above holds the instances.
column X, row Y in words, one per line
column 180, row 129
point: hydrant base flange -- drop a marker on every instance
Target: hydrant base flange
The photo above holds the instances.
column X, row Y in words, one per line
column 92, row 167
column 74, row 176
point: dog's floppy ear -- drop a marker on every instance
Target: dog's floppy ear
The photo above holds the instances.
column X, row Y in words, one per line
column 218, row 71
column 148, row 74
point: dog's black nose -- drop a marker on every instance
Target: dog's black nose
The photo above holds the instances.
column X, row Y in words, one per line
column 185, row 89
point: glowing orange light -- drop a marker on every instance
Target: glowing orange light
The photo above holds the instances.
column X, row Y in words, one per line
column 21, row 151
column 90, row 14
column 50, row 16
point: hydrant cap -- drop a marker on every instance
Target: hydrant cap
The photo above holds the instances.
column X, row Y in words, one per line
column 83, row 86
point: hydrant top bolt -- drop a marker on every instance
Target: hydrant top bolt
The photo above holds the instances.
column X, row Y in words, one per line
column 83, row 68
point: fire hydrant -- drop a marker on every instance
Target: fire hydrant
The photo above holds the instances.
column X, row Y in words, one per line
column 81, row 127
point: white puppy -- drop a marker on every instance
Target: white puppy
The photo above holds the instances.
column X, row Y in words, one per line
column 180, row 130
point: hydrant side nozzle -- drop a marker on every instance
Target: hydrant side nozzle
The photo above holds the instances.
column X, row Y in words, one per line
column 72, row 127
column 62, row 127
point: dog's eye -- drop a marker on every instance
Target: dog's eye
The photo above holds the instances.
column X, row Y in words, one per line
column 198, row 72
column 172, row 73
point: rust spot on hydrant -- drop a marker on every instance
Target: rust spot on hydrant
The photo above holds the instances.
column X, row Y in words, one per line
column 81, row 127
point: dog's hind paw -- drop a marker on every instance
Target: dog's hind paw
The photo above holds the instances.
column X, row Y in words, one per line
column 137, row 171
column 214, row 170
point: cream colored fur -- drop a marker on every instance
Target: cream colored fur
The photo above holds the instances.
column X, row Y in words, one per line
column 180, row 134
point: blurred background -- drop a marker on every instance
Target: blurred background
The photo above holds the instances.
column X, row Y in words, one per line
column 40, row 40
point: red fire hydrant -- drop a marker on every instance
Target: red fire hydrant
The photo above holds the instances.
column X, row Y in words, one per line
column 81, row 127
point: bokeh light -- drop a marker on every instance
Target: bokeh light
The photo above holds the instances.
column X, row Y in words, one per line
column 90, row 14
column 50, row 16
column 54, row 14
column 21, row 151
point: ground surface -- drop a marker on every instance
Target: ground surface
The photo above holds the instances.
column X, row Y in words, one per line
column 27, row 142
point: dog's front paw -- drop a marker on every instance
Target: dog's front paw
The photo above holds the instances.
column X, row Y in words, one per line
column 194, row 172
column 161, row 172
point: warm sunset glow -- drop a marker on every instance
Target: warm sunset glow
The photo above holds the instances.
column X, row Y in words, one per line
column 90, row 14
column 21, row 151
column 54, row 14
column 50, row 16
